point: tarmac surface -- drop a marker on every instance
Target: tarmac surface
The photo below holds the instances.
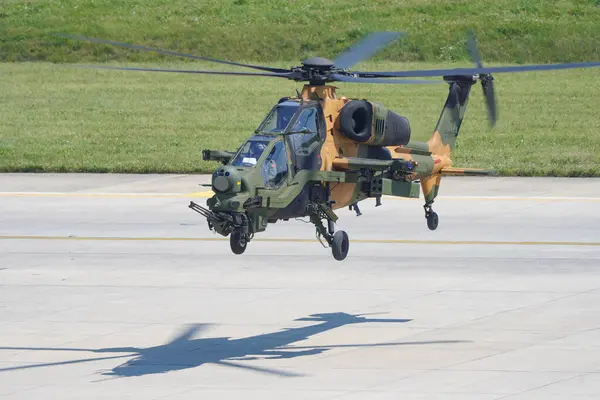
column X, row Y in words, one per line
column 111, row 287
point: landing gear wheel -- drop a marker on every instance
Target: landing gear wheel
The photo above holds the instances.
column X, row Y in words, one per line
column 238, row 241
column 432, row 221
column 340, row 245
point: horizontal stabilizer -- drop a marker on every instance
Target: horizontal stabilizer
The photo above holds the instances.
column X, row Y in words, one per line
column 467, row 172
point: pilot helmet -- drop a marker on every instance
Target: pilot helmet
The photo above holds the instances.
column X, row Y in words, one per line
column 257, row 148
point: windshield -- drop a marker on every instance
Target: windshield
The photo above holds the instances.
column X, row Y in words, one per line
column 279, row 117
column 251, row 151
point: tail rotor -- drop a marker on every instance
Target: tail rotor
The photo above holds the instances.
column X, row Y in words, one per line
column 487, row 80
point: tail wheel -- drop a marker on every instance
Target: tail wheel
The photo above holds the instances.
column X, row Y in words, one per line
column 340, row 245
column 238, row 241
column 432, row 221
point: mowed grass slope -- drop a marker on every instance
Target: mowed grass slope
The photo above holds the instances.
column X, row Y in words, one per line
column 60, row 118
column 57, row 118
column 518, row 31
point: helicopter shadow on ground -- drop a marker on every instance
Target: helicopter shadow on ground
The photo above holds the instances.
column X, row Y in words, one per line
column 185, row 351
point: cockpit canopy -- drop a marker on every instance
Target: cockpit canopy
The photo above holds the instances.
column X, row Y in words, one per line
column 298, row 122
column 279, row 118
column 251, row 151
column 290, row 117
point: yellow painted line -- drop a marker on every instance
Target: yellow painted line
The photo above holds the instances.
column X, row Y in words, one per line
column 206, row 194
column 299, row 240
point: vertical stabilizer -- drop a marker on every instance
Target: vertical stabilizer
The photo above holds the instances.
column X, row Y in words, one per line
column 444, row 136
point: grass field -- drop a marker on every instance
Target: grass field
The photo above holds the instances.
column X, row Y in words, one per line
column 60, row 118
column 518, row 31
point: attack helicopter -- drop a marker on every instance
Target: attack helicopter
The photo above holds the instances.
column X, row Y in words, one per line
column 316, row 152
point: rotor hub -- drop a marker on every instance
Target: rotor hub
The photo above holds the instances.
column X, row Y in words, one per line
column 319, row 63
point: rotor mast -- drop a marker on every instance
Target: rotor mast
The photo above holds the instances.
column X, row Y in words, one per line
column 317, row 70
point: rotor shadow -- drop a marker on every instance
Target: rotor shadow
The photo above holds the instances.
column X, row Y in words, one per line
column 184, row 351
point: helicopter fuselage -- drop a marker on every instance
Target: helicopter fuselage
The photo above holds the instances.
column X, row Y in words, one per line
column 306, row 159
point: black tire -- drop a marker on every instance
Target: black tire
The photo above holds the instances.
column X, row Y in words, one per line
column 238, row 241
column 432, row 221
column 340, row 245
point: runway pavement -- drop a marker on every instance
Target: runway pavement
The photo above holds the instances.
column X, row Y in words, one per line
column 110, row 287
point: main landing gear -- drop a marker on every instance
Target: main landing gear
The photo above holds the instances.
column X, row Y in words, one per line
column 338, row 241
column 340, row 245
column 431, row 216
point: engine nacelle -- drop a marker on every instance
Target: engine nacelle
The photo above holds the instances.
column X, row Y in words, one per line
column 373, row 124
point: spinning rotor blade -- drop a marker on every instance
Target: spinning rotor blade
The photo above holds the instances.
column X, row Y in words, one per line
column 186, row 71
column 365, row 49
column 487, row 81
column 345, row 78
column 488, row 91
column 472, row 48
column 169, row 53
column 475, row 71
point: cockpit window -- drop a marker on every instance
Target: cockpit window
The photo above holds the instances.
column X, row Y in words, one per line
column 306, row 121
column 279, row 118
column 251, row 151
column 275, row 168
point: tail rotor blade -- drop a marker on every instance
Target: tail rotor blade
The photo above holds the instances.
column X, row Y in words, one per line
column 487, row 83
column 487, row 80
column 472, row 48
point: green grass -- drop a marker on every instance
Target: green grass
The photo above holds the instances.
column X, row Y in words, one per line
column 516, row 31
column 59, row 118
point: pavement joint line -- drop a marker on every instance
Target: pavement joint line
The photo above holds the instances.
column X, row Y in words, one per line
column 301, row 240
column 207, row 194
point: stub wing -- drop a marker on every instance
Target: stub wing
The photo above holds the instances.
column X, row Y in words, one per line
column 467, row 172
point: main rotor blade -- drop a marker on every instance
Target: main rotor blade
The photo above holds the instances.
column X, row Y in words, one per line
column 169, row 52
column 186, row 71
column 473, row 71
column 365, row 49
column 344, row 78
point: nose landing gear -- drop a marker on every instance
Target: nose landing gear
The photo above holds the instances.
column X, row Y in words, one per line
column 238, row 241
column 240, row 235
